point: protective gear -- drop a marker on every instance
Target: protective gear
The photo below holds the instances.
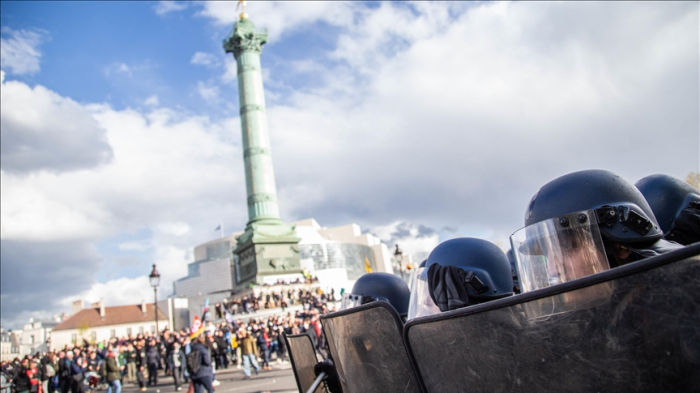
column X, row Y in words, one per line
column 461, row 272
column 575, row 221
column 332, row 380
column 514, row 271
column 379, row 286
column 676, row 206
column 414, row 275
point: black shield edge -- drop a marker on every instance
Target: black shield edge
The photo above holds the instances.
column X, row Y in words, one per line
column 399, row 324
column 608, row 275
column 291, row 357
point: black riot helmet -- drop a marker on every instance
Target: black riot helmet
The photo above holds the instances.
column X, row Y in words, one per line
column 461, row 272
column 676, row 206
column 581, row 224
column 379, row 286
column 621, row 209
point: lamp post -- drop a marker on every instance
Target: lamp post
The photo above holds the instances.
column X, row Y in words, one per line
column 155, row 280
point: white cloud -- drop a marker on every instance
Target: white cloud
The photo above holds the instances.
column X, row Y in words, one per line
column 152, row 101
column 174, row 228
column 209, row 92
column 42, row 130
column 282, row 17
column 231, row 70
column 203, row 58
column 414, row 240
column 460, row 117
column 19, row 53
column 164, row 7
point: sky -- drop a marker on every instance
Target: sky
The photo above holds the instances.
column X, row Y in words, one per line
column 420, row 122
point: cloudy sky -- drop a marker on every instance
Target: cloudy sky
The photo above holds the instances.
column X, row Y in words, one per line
column 419, row 121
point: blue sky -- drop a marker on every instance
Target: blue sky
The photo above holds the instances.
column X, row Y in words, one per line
column 418, row 121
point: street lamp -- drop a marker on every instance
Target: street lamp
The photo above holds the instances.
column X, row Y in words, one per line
column 155, row 280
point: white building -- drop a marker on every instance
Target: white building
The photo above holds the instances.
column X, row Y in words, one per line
column 9, row 345
column 35, row 336
column 100, row 323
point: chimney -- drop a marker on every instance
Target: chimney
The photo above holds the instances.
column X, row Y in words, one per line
column 143, row 307
column 77, row 306
column 102, row 308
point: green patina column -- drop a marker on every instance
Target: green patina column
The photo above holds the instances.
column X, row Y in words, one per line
column 268, row 246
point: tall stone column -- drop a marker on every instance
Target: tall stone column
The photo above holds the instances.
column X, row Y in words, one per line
column 268, row 246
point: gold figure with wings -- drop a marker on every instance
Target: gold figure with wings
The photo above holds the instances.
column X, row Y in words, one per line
column 241, row 4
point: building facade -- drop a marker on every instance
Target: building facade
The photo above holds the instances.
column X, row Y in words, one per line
column 9, row 345
column 99, row 324
column 35, row 336
column 211, row 270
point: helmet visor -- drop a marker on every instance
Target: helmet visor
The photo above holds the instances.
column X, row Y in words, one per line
column 421, row 304
column 558, row 250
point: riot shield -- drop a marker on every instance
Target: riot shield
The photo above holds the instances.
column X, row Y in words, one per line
column 633, row 328
column 303, row 357
column 368, row 351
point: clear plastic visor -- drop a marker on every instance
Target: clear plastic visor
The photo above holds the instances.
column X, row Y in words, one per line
column 421, row 304
column 558, row 250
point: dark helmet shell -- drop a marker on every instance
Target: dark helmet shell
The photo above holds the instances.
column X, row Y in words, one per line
column 667, row 197
column 384, row 286
column 484, row 258
column 590, row 190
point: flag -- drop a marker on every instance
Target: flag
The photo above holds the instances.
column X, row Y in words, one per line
column 368, row 267
column 198, row 324
column 217, row 228
column 197, row 327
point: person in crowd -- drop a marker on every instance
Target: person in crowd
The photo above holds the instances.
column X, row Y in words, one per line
column 263, row 341
column 112, row 372
column 131, row 362
column 177, row 363
column 152, row 362
column 78, row 369
column 202, row 378
column 248, row 353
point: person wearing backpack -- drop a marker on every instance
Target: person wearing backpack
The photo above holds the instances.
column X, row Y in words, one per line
column 199, row 365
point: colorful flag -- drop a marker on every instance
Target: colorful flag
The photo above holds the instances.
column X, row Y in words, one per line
column 197, row 324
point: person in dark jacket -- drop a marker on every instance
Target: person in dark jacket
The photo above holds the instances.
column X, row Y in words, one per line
column 113, row 373
column 65, row 380
column 152, row 360
column 203, row 377
column 78, row 368
column 21, row 379
column 264, row 345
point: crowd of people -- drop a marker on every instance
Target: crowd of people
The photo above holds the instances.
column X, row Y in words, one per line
column 141, row 359
column 274, row 296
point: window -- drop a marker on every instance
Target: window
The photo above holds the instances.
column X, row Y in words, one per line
column 153, row 328
column 93, row 336
column 73, row 338
column 31, row 339
column 112, row 333
column 128, row 331
column 141, row 330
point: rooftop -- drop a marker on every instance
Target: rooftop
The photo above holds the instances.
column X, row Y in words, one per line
column 118, row 315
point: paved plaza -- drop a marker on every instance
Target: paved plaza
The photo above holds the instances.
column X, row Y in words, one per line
column 278, row 380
